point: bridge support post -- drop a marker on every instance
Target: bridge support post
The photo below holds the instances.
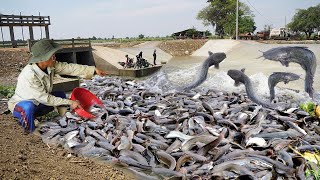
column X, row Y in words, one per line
column 14, row 43
column 74, row 57
column 46, row 27
column 31, row 33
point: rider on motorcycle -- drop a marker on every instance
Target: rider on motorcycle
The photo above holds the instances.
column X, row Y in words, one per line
column 129, row 62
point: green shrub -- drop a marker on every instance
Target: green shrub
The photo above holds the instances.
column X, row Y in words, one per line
column 7, row 91
column 308, row 107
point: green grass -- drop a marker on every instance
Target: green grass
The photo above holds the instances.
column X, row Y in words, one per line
column 51, row 115
column 314, row 169
column 312, row 159
column 47, row 117
column 314, row 173
column 7, row 91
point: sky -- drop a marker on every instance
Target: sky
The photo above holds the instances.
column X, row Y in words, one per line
column 130, row 18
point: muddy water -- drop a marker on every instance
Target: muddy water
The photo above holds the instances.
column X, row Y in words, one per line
column 181, row 70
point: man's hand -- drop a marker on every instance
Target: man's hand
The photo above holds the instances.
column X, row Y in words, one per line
column 75, row 104
column 100, row 72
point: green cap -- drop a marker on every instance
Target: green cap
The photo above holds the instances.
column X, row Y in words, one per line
column 43, row 50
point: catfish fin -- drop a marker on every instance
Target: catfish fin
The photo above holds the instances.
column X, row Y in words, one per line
column 284, row 63
column 242, row 70
column 216, row 66
column 262, row 56
column 236, row 83
column 210, row 53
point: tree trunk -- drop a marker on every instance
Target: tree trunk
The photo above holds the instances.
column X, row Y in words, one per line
column 309, row 35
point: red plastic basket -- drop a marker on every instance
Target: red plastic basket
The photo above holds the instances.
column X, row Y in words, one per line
column 86, row 99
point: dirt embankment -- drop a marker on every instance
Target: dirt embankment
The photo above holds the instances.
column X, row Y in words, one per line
column 11, row 62
column 182, row 47
column 117, row 45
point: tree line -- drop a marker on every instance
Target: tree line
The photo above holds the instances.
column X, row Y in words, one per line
column 306, row 21
column 221, row 15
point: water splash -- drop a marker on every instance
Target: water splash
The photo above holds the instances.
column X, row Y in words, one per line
column 222, row 82
column 169, row 81
column 316, row 97
column 160, row 83
column 260, row 85
column 165, row 81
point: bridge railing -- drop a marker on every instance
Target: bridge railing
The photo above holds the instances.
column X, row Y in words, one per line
column 19, row 20
column 67, row 43
column 8, row 44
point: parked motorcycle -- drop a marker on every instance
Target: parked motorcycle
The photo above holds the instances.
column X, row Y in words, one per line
column 141, row 63
column 129, row 63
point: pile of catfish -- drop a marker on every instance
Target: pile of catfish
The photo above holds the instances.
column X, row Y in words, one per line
column 199, row 134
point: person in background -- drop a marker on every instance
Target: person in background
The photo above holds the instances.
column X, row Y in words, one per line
column 129, row 62
column 140, row 55
column 127, row 59
column 154, row 57
column 33, row 94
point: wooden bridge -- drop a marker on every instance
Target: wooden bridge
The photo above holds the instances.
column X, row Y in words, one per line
column 21, row 21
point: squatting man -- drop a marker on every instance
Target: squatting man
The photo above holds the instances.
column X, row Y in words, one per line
column 33, row 95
